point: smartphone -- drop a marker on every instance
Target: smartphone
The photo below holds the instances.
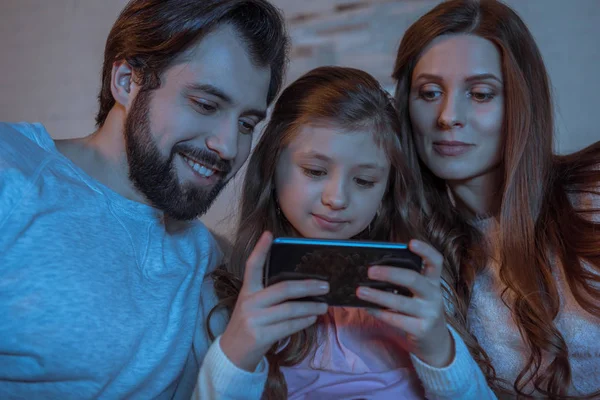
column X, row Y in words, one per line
column 342, row 263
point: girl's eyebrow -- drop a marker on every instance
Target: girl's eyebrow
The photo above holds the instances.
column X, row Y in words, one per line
column 323, row 157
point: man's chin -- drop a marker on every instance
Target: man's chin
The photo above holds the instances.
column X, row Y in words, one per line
column 182, row 217
column 187, row 213
column 195, row 205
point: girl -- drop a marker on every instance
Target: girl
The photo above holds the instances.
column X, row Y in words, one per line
column 519, row 222
column 330, row 165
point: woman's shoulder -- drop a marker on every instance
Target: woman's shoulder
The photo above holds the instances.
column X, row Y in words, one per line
column 586, row 199
column 580, row 175
column 587, row 204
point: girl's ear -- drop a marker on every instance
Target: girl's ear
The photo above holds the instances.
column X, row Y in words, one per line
column 275, row 199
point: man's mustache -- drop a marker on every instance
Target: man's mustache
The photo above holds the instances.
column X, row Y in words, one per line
column 205, row 157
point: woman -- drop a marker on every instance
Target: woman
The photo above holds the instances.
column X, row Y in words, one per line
column 521, row 223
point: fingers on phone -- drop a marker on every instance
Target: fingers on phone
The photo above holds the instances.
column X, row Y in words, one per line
column 300, row 289
column 293, row 310
column 292, row 290
column 253, row 276
column 289, row 327
column 390, row 301
column 432, row 259
column 261, row 250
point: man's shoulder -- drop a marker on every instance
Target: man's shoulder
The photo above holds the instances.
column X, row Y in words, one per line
column 24, row 147
column 200, row 244
column 22, row 157
column 26, row 134
column 34, row 175
column 222, row 241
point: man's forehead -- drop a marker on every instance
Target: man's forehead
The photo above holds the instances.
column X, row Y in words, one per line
column 221, row 60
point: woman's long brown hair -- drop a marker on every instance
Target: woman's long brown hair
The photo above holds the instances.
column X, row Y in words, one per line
column 538, row 219
column 344, row 97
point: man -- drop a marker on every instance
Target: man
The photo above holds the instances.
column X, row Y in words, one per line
column 101, row 255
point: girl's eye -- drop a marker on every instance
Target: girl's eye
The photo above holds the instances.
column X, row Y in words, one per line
column 364, row 182
column 313, row 173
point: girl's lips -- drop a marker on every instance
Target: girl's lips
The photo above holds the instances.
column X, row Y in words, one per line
column 329, row 224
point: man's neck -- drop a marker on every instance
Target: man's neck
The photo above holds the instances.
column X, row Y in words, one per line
column 102, row 156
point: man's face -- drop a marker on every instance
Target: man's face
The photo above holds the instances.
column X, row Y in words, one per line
column 187, row 138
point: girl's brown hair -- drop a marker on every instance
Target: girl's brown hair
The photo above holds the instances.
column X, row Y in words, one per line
column 344, row 97
column 538, row 221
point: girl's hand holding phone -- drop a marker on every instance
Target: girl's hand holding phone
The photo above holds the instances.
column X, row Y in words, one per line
column 420, row 319
column 263, row 316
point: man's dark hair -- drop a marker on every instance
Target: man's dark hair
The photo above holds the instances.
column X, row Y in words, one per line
column 150, row 34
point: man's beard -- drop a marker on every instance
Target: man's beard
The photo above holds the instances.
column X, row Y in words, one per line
column 155, row 176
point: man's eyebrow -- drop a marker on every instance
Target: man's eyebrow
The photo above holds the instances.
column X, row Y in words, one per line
column 210, row 89
column 260, row 114
column 215, row 91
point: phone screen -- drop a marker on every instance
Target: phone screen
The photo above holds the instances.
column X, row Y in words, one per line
column 342, row 263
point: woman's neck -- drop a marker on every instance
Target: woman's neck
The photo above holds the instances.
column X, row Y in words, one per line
column 478, row 197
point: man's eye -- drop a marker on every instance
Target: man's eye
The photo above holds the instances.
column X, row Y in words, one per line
column 246, row 128
column 204, row 106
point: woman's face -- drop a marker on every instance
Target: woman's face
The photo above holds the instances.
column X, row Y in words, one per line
column 456, row 107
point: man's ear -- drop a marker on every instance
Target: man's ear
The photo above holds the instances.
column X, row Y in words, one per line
column 122, row 83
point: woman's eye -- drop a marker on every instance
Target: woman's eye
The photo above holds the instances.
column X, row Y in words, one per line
column 430, row 95
column 482, row 96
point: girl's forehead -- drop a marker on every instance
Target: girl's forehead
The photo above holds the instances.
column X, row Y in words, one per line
column 335, row 145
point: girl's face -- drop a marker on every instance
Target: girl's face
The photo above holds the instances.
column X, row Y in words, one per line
column 457, row 107
column 330, row 182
